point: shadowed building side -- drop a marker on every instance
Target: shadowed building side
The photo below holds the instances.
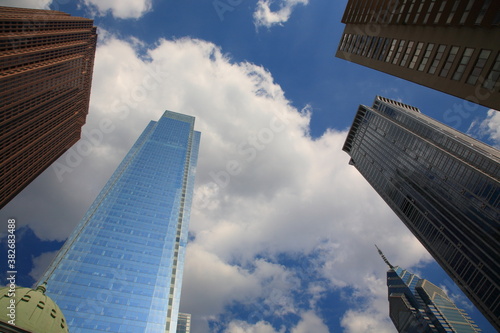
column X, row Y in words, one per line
column 451, row 46
column 46, row 65
column 443, row 185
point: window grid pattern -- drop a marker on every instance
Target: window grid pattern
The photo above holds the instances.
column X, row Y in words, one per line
column 123, row 263
column 428, row 174
column 45, row 81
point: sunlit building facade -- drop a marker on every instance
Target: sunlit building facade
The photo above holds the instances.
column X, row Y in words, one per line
column 451, row 46
column 418, row 306
column 47, row 59
column 443, row 185
column 121, row 269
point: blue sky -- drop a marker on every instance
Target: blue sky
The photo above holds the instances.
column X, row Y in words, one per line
column 284, row 241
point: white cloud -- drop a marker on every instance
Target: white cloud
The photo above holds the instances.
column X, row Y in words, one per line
column 123, row 9
column 264, row 187
column 310, row 322
column 487, row 128
column 34, row 4
column 41, row 263
column 265, row 16
column 243, row 327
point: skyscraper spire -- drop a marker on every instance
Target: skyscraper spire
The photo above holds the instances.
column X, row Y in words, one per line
column 384, row 257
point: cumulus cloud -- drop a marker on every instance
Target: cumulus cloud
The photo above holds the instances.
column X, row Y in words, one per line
column 310, row 322
column 41, row 263
column 34, row 4
column 120, row 9
column 266, row 17
column 488, row 128
column 264, row 187
column 243, row 327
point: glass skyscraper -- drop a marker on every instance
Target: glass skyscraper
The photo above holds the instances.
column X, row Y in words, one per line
column 443, row 185
column 418, row 306
column 121, row 269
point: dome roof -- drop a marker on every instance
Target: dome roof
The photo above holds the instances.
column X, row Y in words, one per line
column 35, row 311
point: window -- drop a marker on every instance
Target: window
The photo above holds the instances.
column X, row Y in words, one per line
column 361, row 44
column 367, row 45
column 483, row 10
column 453, row 11
column 344, row 42
column 401, row 9
column 426, row 56
column 431, row 6
column 384, row 49
column 440, row 11
column 409, row 11
column 379, row 44
column 466, row 12
column 419, row 10
column 398, row 53
column 373, row 46
column 437, row 59
column 494, row 75
column 409, row 47
column 449, row 61
column 418, row 50
column 391, row 50
column 478, row 67
column 463, row 64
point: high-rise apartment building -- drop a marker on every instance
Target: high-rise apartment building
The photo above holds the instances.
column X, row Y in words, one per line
column 443, row 185
column 448, row 45
column 418, row 306
column 46, row 63
column 184, row 323
column 121, row 269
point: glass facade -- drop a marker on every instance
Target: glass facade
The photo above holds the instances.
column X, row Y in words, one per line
column 418, row 306
column 121, row 269
column 443, row 185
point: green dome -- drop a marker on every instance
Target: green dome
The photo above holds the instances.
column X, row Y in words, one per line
column 35, row 312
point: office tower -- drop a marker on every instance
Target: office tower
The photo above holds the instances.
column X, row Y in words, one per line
column 451, row 46
column 443, row 185
column 121, row 269
column 418, row 306
column 184, row 323
column 46, row 63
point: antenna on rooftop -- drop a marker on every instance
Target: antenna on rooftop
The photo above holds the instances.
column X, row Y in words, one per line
column 384, row 257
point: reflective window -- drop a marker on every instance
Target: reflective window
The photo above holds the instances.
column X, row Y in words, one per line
column 440, row 12
column 478, row 67
column 437, row 59
column 398, row 52
column 463, row 64
column 384, row 48
column 494, row 75
column 482, row 12
column 426, row 57
column 449, row 61
column 453, row 11
column 465, row 15
column 409, row 47
column 418, row 50
column 429, row 10
column 391, row 50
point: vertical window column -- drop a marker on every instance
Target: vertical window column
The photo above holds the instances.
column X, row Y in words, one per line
column 478, row 67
